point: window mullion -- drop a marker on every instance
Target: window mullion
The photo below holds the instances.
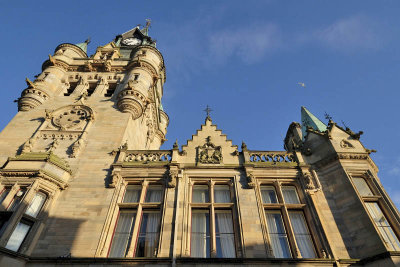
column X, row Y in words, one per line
column 292, row 241
column 286, row 221
column 9, row 198
column 138, row 217
column 212, row 222
column 189, row 221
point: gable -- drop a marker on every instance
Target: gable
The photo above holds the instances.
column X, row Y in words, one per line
column 209, row 147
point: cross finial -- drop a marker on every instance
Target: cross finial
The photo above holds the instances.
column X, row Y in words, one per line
column 148, row 22
column 208, row 111
column 327, row 116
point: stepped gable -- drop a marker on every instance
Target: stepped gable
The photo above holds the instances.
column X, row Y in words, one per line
column 210, row 139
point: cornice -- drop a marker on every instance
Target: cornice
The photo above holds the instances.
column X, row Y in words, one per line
column 42, row 156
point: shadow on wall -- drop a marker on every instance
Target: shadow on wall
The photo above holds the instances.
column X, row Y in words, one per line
column 58, row 238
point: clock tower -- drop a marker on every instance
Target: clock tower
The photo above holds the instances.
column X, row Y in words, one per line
column 83, row 180
column 72, row 118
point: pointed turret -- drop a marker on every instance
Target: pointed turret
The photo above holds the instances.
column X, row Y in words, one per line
column 84, row 45
column 309, row 120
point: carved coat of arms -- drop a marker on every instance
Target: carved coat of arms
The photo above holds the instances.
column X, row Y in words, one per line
column 209, row 153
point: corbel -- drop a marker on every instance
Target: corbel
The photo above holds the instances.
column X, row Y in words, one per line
column 171, row 176
column 115, row 177
column 250, row 178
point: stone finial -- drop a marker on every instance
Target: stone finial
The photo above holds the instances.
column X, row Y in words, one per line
column 175, row 145
column 29, row 83
column 244, row 146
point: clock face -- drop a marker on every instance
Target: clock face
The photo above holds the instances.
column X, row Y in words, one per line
column 131, row 41
column 70, row 118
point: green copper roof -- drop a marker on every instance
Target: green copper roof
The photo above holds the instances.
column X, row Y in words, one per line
column 309, row 120
column 83, row 45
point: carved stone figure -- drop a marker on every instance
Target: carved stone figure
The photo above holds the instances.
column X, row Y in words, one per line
column 171, row 177
column 346, row 144
column 28, row 145
column 53, row 145
column 76, row 147
column 115, row 177
column 251, row 181
column 308, row 181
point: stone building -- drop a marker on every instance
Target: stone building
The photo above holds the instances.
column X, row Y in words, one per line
column 83, row 180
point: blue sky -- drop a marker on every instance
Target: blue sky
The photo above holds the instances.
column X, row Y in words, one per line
column 243, row 58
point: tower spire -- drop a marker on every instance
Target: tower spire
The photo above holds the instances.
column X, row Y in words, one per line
column 309, row 120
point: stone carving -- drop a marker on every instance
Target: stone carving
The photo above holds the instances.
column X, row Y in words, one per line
column 107, row 65
column 53, row 146
column 354, row 135
column 175, row 145
column 28, row 146
column 271, row 156
column 52, row 60
column 82, row 81
column 251, row 180
column 89, row 67
column 209, row 153
column 71, row 118
column 346, row 144
column 308, row 181
column 64, row 129
column 76, row 147
column 171, row 177
column 84, row 96
column 115, row 177
column 244, row 146
column 144, row 156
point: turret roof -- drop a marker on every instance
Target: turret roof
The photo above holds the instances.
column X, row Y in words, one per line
column 309, row 120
